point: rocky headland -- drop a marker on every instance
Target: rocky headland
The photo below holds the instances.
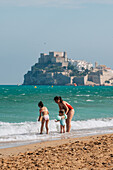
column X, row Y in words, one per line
column 56, row 69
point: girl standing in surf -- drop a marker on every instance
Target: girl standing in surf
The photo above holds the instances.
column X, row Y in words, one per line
column 43, row 117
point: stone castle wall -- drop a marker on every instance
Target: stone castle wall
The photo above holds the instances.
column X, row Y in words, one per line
column 100, row 76
column 80, row 80
column 54, row 57
column 105, row 77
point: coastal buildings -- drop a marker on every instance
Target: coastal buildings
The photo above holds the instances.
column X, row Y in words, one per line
column 101, row 75
column 56, row 69
column 80, row 64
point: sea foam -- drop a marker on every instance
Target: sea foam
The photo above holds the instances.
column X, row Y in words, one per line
column 31, row 130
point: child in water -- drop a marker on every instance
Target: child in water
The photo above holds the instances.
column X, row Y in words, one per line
column 43, row 117
column 62, row 118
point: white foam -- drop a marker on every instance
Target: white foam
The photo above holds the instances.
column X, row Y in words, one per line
column 75, row 101
column 89, row 100
column 109, row 97
column 93, row 123
column 87, row 95
column 30, row 130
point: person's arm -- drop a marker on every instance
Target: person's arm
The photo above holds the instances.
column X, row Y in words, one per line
column 60, row 108
column 39, row 115
column 46, row 110
column 57, row 120
column 64, row 117
column 67, row 109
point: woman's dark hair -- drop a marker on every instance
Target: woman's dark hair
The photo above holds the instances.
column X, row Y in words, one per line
column 56, row 98
column 40, row 104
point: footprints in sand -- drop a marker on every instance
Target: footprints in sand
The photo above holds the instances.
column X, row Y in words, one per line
column 92, row 153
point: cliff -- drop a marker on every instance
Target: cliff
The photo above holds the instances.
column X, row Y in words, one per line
column 45, row 78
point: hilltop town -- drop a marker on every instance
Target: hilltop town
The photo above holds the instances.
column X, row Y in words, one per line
column 56, row 69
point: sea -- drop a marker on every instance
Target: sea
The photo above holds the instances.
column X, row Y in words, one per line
column 19, row 112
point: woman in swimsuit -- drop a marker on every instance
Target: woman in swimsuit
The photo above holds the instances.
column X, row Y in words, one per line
column 68, row 110
column 44, row 114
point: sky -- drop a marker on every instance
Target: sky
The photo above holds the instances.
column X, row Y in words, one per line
column 82, row 28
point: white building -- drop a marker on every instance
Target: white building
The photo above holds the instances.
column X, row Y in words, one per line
column 80, row 64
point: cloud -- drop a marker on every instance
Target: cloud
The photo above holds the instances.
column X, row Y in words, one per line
column 53, row 3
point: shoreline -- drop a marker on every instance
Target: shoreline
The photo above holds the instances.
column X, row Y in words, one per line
column 84, row 152
column 74, row 134
column 78, row 133
column 98, row 85
column 32, row 146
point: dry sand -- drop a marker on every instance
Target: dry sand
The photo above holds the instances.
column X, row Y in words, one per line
column 87, row 153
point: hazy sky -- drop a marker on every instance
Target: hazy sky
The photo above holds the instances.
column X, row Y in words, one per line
column 83, row 28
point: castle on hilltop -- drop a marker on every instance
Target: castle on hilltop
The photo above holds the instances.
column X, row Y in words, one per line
column 56, row 69
column 57, row 58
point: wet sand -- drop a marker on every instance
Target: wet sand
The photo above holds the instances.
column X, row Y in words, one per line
column 87, row 153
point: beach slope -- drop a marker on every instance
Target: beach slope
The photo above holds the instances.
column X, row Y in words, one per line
column 93, row 152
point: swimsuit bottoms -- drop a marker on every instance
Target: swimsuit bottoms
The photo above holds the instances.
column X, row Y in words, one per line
column 46, row 117
column 72, row 111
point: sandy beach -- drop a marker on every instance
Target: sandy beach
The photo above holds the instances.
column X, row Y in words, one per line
column 88, row 153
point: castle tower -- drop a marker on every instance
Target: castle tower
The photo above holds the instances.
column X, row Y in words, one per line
column 65, row 56
column 96, row 64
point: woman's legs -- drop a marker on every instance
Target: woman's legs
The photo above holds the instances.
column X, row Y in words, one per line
column 47, row 129
column 69, row 118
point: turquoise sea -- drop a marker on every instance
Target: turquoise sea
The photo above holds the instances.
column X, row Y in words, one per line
column 19, row 111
